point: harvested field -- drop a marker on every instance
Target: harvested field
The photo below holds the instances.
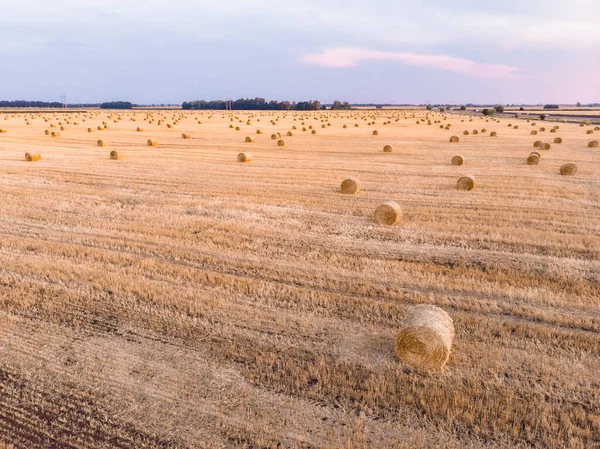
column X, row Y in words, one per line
column 181, row 299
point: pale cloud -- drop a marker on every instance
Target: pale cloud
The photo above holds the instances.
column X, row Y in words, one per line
column 350, row 57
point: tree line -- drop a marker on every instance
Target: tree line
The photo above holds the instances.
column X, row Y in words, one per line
column 251, row 104
column 29, row 104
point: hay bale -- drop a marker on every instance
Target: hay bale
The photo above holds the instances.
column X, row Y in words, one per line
column 536, row 153
column 593, row 144
column 290, row 134
column 244, row 157
column 274, row 136
column 280, row 143
column 516, row 127
column 55, row 134
column 465, row 183
column 101, row 143
column 185, row 136
column 475, row 131
column 493, row 134
column 590, row 131
column 139, row 130
column 249, row 139
column 533, row 159
column 454, row 139
column 32, row 157
column 258, row 131
column 313, row 132
column 345, row 126
column 115, row 155
column 375, row 133
column 350, row 186
column 466, row 133
column 46, row 132
column 387, row 149
column 388, row 213
column 545, row 146
column 568, row 169
column 533, row 132
column 542, row 129
column 151, row 143
column 457, row 160
column 426, row 338
column 557, row 140
column 90, row 130
column 537, row 143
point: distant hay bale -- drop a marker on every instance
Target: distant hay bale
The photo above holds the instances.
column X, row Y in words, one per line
column 244, row 157
column 533, row 132
column 537, row 154
column 597, row 128
column 90, row 130
column 466, row 133
column 345, row 126
column 465, row 183
column 138, row 129
column 475, row 131
column 99, row 128
column 593, row 144
column 185, row 136
column 545, row 146
column 115, row 155
column 237, row 128
column 590, row 131
column 557, row 140
column 249, row 139
column 537, row 143
column 350, row 186
column 568, row 169
column 290, row 134
column 101, row 143
column 55, row 134
column 375, row 133
column 280, row 143
column 313, row 132
column 388, row 213
column 258, row 131
column 516, row 127
column 32, row 157
column 387, row 149
column 533, row 159
column 493, row 134
column 454, row 139
column 542, row 129
column 274, row 136
column 457, row 160
column 46, row 132
column 484, row 130
column 426, row 338
column 151, row 143
column 553, row 130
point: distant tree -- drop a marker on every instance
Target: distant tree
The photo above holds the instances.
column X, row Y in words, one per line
column 463, row 108
column 489, row 112
column 551, row 106
column 429, row 107
column 521, row 108
column 116, row 105
column 543, row 117
column 442, row 109
column 578, row 104
column 499, row 108
column 29, row 104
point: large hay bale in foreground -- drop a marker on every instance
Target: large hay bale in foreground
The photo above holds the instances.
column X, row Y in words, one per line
column 568, row 169
column 593, row 144
column 465, row 183
column 244, row 157
column 533, row 159
column 457, row 160
column 388, row 213
column 387, row 149
column 115, row 155
column 454, row 139
column 426, row 339
column 32, row 157
column 350, row 186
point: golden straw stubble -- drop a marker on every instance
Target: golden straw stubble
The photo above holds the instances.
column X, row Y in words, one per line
column 426, row 339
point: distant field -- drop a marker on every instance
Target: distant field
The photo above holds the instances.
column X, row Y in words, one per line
column 177, row 298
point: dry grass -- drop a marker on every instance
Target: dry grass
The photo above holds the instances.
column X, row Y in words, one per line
column 179, row 299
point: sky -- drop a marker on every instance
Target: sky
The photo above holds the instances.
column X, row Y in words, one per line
column 378, row 51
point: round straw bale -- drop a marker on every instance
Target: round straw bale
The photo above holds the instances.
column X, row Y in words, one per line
column 90, row 130
column 345, row 126
column 249, row 139
column 244, row 157
column 426, row 338
column 138, row 129
column 280, row 143
column 375, row 133
column 568, row 169
column 388, row 213
column 545, row 146
column 32, row 157
column 536, row 153
column 597, row 128
column 101, row 143
column 465, row 183
column 258, row 131
column 557, row 140
column 475, row 131
column 533, row 132
column 493, row 134
column 274, row 136
column 290, row 134
column 533, row 159
column 457, row 160
column 46, row 132
column 237, row 128
column 553, row 130
column 387, row 149
column 115, row 155
column 590, row 131
column 350, row 186
column 516, row 127
column 313, row 132
column 55, row 134
column 537, row 143
column 593, row 144
column 542, row 129
column 185, row 136
column 454, row 139
column 466, row 133
column 151, row 143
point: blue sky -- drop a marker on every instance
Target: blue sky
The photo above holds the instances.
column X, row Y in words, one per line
column 534, row 51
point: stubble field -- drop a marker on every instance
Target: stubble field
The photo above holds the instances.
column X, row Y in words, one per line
column 178, row 298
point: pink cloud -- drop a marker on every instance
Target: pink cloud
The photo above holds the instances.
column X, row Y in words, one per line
column 350, row 57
